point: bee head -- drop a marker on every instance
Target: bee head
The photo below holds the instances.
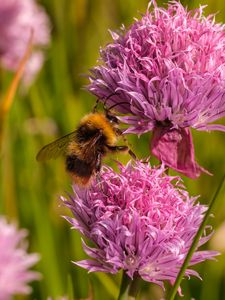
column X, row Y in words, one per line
column 112, row 119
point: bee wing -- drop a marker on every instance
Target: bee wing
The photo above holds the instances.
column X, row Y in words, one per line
column 89, row 148
column 56, row 148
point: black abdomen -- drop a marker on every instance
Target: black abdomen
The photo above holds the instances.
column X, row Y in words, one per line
column 78, row 167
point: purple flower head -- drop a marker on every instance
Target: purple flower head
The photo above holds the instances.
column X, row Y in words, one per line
column 167, row 73
column 17, row 20
column 139, row 221
column 15, row 262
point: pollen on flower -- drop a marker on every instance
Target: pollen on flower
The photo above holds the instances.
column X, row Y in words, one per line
column 140, row 220
column 150, row 268
column 131, row 261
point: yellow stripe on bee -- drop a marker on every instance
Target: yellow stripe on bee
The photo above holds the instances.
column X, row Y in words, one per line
column 99, row 121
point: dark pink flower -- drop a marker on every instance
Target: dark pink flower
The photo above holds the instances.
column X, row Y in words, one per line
column 17, row 20
column 139, row 221
column 15, row 262
column 167, row 73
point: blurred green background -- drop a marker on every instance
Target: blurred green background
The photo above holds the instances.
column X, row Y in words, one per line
column 52, row 107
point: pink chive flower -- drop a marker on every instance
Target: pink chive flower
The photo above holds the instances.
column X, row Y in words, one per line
column 15, row 262
column 18, row 18
column 167, row 73
column 139, row 221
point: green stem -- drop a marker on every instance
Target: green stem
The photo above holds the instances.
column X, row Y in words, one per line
column 194, row 243
column 129, row 288
column 134, row 287
column 124, row 287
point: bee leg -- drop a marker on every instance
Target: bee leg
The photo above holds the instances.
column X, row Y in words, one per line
column 132, row 154
column 120, row 133
column 98, row 166
column 118, row 148
column 98, row 162
column 145, row 160
column 122, row 149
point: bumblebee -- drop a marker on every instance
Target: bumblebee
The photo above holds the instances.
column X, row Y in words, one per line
column 96, row 135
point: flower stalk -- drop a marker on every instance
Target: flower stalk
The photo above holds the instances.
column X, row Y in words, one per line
column 134, row 288
column 173, row 292
column 129, row 288
column 7, row 101
column 124, row 287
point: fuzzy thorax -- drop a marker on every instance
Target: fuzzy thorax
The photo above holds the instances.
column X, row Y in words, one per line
column 99, row 121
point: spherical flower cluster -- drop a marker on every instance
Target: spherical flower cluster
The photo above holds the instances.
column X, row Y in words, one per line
column 14, row 262
column 139, row 221
column 167, row 73
column 18, row 19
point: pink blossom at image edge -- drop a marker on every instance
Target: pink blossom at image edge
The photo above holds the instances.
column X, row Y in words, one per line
column 18, row 19
column 15, row 262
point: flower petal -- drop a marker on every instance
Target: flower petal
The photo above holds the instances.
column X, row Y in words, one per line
column 174, row 147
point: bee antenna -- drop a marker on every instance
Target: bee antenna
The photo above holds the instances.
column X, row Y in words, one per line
column 119, row 103
column 107, row 98
column 96, row 105
column 104, row 102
